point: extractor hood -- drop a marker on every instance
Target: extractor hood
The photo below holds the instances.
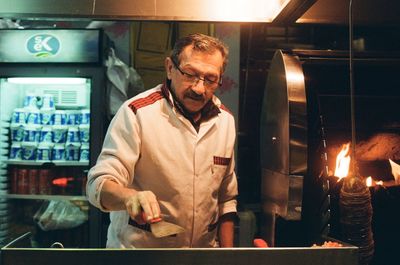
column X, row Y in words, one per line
column 168, row 10
column 285, row 12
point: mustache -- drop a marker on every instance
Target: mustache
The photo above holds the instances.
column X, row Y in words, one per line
column 193, row 95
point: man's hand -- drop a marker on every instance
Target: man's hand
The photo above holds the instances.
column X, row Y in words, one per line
column 143, row 201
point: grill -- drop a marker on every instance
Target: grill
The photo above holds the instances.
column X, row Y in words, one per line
column 305, row 120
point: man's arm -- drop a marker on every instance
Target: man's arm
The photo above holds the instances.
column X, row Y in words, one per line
column 115, row 197
column 108, row 181
column 226, row 230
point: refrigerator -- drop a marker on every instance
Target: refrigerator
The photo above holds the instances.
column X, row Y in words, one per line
column 52, row 123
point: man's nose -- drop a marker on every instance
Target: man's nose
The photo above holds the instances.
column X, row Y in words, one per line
column 198, row 87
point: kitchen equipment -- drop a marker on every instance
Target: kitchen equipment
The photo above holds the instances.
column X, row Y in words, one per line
column 304, row 121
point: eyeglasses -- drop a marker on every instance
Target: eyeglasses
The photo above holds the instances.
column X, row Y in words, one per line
column 208, row 82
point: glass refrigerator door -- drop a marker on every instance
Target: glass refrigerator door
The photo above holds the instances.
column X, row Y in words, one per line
column 44, row 158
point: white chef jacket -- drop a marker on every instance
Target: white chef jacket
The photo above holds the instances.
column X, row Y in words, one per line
column 151, row 146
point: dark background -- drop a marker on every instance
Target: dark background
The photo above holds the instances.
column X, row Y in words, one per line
column 258, row 44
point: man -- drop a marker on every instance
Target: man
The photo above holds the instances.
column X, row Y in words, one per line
column 168, row 154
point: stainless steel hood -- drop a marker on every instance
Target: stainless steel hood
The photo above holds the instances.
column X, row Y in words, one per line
column 175, row 10
column 369, row 12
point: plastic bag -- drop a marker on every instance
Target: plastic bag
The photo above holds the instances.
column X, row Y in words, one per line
column 59, row 215
column 6, row 23
column 123, row 82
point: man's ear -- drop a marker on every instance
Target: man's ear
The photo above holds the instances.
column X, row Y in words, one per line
column 168, row 67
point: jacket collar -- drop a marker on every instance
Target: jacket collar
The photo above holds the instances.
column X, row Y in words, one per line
column 210, row 110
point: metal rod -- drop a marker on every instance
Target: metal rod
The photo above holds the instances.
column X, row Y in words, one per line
column 351, row 75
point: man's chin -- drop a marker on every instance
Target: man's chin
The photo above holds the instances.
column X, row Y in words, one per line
column 193, row 108
column 192, row 112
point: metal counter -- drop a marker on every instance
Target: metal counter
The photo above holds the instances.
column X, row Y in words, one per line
column 19, row 252
column 347, row 255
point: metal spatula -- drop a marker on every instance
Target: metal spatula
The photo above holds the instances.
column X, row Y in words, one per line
column 159, row 228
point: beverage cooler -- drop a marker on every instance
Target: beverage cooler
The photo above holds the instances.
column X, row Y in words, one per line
column 52, row 90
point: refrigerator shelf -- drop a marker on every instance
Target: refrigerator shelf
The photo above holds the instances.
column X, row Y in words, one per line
column 43, row 197
column 41, row 163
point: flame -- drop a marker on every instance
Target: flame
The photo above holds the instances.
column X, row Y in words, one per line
column 368, row 181
column 395, row 171
column 343, row 162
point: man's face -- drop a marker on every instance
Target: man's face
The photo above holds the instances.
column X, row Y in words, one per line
column 195, row 94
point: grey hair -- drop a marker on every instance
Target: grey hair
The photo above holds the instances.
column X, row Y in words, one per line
column 203, row 43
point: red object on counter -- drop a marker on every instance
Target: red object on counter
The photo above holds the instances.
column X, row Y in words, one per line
column 260, row 243
column 62, row 182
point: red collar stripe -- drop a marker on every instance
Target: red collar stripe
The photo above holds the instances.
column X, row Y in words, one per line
column 143, row 102
column 223, row 107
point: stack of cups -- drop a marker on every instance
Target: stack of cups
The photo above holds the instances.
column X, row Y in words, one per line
column 31, row 107
column 60, row 129
column 18, row 121
column 30, row 101
column 30, row 141
column 45, row 144
column 73, row 144
column 47, row 110
column 84, row 116
column 31, row 128
column 49, row 134
column 84, row 135
column 44, row 150
column 73, row 117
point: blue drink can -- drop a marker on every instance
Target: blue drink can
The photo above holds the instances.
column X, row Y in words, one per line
column 15, row 151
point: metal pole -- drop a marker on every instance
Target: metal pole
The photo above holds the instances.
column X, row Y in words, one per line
column 351, row 75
